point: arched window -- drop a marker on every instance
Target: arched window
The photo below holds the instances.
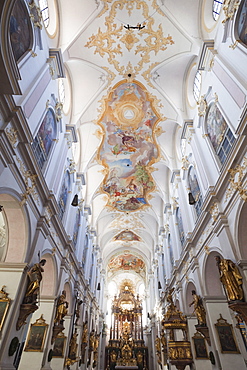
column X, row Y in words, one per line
column 217, row 5
column 63, row 196
column 3, row 235
column 44, row 12
column 91, row 271
column 20, row 29
column 195, row 189
column 170, row 250
column 163, row 265
column 85, row 249
column 180, row 226
column 76, row 227
column 61, row 90
column 197, row 85
column 46, row 135
column 241, row 23
column 219, row 133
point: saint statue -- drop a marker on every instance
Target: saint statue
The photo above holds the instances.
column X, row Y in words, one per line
column 91, row 340
column 231, row 279
column 198, row 309
column 158, row 344
column 171, row 305
column 84, row 332
column 62, row 306
column 34, row 277
column 73, row 346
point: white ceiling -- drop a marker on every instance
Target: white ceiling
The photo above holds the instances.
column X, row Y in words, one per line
column 93, row 71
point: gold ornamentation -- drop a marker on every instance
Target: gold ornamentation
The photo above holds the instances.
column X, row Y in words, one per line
column 5, row 302
column 229, row 7
column 69, row 143
column 30, row 183
column 202, row 106
column 211, row 64
column 48, row 215
column 35, row 14
column 33, row 54
column 80, row 205
column 129, row 73
column 233, row 46
column 158, row 131
column 111, row 75
column 121, row 220
column 72, row 166
column 214, row 210
column 185, row 163
column 11, row 134
column 236, row 180
column 155, row 41
column 107, row 43
column 147, row 74
column 104, row 41
column 157, row 7
column 58, row 110
column 129, row 39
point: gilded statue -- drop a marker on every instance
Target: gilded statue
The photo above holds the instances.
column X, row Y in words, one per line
column 158, row 344
column 113, row 356
column 171, row 305
column 77, row 311
column 84, row 332
column 62, row 308
column 231, row 279
column 198, row 309
column 91, row 340
column 158, row 348
column 34, row 277
column 139, row 357
column 73, row 346
column 163, row 340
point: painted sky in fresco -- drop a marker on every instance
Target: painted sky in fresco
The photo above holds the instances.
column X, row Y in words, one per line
column 126, row 261
column 129, row 147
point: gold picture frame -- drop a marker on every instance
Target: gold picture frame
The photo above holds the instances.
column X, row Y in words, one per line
column 226, row 336
column 4, row 306
column 59, row 346
column 36, row 336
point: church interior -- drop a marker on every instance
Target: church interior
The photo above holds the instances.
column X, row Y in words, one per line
column 123, row 184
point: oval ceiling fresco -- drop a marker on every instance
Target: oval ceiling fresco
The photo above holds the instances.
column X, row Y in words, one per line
column 129, row 147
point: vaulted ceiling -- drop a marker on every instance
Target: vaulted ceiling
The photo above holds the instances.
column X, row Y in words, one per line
column 127, row 64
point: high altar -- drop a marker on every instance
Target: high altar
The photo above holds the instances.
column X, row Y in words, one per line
column 126, row 348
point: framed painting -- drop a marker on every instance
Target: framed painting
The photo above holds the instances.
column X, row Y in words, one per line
column 226, row 336
column 200, row 346
column 4, row 306
column 36, row 336
column 241, row 23
column 59, row 345
column 20, row 30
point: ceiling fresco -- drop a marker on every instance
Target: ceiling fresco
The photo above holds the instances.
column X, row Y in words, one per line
column 127, row 235
column 129, row 146
column 128, row 61
column 127, row 261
